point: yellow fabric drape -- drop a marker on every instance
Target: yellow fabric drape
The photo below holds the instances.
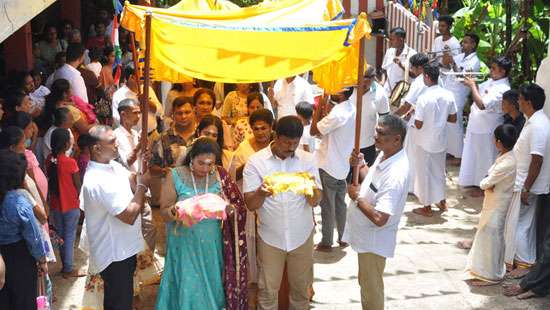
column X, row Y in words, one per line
column 259, row 43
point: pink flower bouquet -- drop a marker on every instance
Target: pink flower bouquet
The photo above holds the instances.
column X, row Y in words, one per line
column 193, row 210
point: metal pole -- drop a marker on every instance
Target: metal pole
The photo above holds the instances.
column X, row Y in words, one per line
column 359, row 105
column 146, row 75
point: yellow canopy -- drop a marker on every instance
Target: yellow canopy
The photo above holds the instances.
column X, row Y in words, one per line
column 259, row 43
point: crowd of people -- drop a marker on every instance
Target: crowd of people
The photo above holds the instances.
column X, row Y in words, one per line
column 72, row 152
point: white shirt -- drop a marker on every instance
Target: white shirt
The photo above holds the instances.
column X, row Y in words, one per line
column 452, row 44
column 74, row 77
column 106, row 193
column 464, row 63
column 375, row 102
column 95, row 67
column 38, row 98
column 534, row 139
column 124, row 93
column 289, row 95
column 485, row 121
column 127, row 142
column 433, row 108
column 308, row 139
column 385, row 188
column 48, row 143
column 337, row 131
column 416, row 89
column 286, row 219
column 393, row 71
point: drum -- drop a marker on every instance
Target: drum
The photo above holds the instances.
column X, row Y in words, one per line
column 398, row 92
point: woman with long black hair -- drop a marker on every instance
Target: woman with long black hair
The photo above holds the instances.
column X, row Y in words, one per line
column 21, row 242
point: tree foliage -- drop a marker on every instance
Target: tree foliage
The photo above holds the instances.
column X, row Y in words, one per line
column 529, row 22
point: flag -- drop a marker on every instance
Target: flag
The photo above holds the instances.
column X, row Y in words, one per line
column 118, row 52
column 118, row 7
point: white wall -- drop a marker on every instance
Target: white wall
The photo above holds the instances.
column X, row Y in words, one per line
column 16, row 13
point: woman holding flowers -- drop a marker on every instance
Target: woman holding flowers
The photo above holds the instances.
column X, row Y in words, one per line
column 205, row 266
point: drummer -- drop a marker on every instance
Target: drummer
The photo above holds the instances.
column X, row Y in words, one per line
column 395, row 59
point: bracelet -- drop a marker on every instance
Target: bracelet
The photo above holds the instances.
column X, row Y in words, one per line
column 141, row 184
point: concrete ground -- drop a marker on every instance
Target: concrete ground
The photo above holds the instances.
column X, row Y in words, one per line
column 426, row 272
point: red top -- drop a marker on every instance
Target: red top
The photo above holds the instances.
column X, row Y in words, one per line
column 98, row 42
column 68, row 195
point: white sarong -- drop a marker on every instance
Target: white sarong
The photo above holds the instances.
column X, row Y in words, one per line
column 520, row 231
column 479, row 154
column 429, row 177
column 486, row 258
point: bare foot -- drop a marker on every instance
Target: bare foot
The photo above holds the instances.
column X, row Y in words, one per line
column 513, row 290
column 526, row 295
column 343, row 244
column 442, row 206
column 74, row 274
column 454, row 162
column 323, row 248
column 476, row 192
column 517, row 273
column 424, row 211
column 465, row 244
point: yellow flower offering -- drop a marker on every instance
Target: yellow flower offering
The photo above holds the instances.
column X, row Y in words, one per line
column 300, row 183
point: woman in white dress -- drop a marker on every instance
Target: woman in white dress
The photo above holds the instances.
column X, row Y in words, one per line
column 485, row 264
column 261, row 123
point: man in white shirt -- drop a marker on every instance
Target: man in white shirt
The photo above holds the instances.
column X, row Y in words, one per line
column 485, row 115
column 446, row 43
column 375, row 103
column 417, row 63
column 336, row 130
column 435, row 107
column 113, row 199
column 130, row 90
column 286, row 93
column 376, row 209
column 532, row 152
column 69, row 72
column 127, row 137
column 129, row 151
column 396, row 59
column 467, row 61
column 304, row 111
column 286, row 223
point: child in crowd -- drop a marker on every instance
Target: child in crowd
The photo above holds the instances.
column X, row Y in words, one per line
column 39, row 93
column 64, row 185
column 62, row 118
column 510, row 107
column 304, row 110
column 84, row 143
column 95, row 64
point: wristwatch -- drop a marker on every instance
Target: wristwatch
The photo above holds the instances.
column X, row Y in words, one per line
column 525, row 190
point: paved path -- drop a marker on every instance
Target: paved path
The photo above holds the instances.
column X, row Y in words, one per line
column 426, row 272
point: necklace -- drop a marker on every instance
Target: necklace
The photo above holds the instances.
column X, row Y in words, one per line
column 195, row 184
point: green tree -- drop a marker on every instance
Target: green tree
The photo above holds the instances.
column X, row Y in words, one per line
column 522, row 34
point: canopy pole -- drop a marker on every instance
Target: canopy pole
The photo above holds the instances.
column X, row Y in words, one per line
column 135, row 58
column 145, row 97
column 359, row 106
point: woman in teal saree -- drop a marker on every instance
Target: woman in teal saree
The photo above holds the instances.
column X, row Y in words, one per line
column 205, row 265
